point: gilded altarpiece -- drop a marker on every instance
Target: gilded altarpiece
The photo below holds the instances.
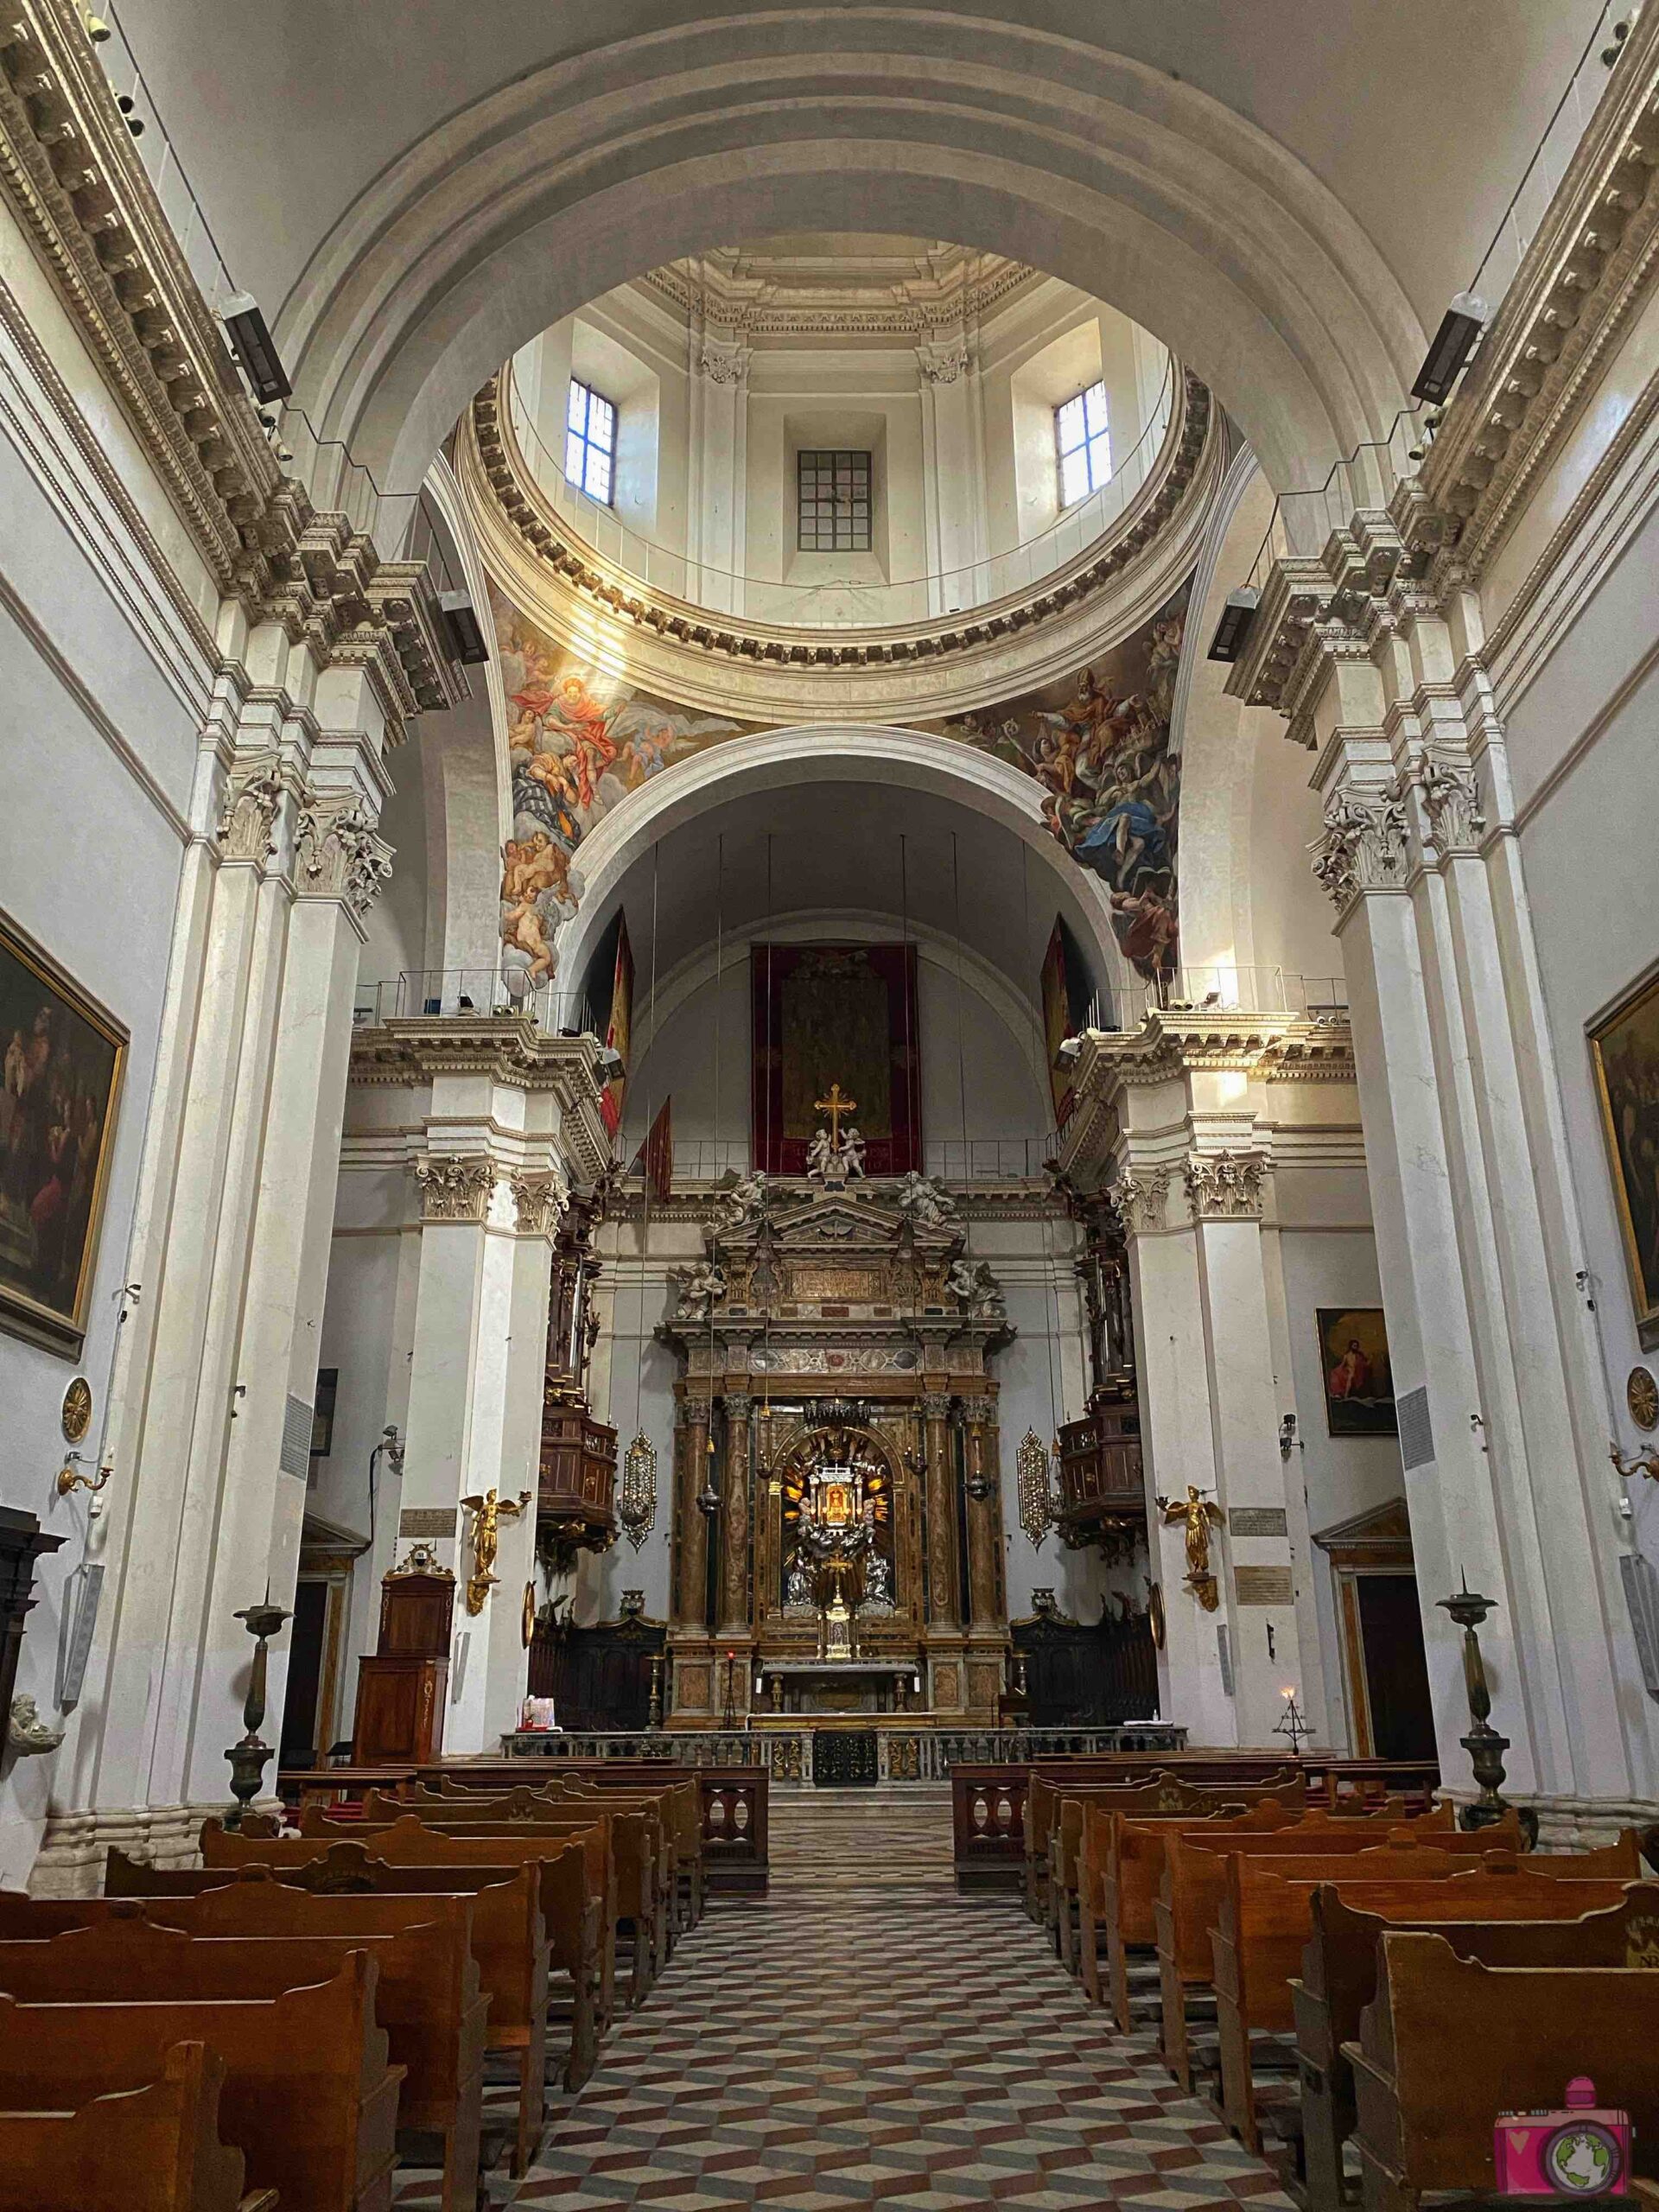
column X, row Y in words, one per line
column 838, row 1330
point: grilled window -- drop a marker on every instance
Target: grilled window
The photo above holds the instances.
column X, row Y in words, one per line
column 835, row 502
column 590, row 442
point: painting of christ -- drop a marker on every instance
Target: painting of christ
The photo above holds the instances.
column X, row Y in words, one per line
column 826, row 1014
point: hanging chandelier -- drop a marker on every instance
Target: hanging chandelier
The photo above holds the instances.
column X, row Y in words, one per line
column 636, row 1505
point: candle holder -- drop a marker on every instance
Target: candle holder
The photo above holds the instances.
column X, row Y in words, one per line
column 248, row 1758
column 1485, row 1747
column 654, row 1712
column 1292, row 1724
column 728, row 1716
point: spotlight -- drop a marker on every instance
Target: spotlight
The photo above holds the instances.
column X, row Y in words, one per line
column 1460, row 325
column 96, row 30
column 612, row 1066
column 251, row 336
column 135, row 123
column 1067, row 1052
column 462, row 626
column 1235, row 624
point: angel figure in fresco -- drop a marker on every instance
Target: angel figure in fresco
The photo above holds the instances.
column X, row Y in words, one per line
column 1200, row 1514
column 536, row 875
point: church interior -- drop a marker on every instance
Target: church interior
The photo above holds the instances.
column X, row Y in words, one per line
column 830, row 1321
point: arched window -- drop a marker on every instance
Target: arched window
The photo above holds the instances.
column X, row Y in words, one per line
column 1083, row 444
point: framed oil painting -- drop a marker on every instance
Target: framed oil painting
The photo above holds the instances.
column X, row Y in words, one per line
column 1625, row 1050
column 1358, row 1379
column 63, row 1061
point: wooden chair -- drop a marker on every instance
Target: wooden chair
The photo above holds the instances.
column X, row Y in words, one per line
column 1600, row 1923
column 256, row 1938
column 308, row 2097
column 1448, row 2042
column 154, row 2149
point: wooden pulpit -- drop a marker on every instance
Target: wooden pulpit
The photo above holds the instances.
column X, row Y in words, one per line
column 401, row 1684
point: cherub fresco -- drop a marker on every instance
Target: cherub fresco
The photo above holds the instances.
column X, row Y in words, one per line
column 579, row 741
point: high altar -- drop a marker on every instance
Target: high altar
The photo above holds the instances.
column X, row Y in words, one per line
column 837, row 1519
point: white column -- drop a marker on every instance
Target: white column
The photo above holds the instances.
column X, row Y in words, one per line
column 949, row 469
column 717, row 482
column 1500, row 1412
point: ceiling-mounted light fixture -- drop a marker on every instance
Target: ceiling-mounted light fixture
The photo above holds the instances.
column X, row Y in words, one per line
column 256, row 350
column 1460, row 325
column 462, row 628
column 1234, row 627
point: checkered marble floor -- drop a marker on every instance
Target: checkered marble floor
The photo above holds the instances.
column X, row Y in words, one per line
column 862, row 2036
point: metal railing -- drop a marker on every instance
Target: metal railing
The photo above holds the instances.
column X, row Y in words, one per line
column 471, row 993
column 1224, row 989
column 951, row 1160
column 846, row 602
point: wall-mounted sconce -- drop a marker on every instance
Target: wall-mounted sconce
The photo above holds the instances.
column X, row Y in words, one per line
column 70, row 1480
column 1645, row 1462
column 1287, row 1436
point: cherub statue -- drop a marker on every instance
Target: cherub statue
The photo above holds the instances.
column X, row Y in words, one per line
column 972, row 1281
column 852, row 1152
column 820, row 1157
column 746, row 1201
column 486, row 1512
column 1200, row 1514
column 924, row 1201
column 699, row 1289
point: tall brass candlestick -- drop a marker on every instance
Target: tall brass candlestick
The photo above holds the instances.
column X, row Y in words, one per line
column 248, row 1758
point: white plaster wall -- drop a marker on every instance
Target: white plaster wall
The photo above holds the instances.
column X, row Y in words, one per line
column 105, row 686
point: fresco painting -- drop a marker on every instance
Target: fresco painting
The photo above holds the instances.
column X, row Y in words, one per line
column 581, row 739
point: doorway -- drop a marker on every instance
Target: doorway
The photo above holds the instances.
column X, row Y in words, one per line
column 299, row 1741
column 1398, row 1708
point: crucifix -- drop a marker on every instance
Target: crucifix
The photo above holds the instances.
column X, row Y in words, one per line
column 835, row 1106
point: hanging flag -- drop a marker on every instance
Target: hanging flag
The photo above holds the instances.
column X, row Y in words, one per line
column 656, row 1156
column 619, row 1025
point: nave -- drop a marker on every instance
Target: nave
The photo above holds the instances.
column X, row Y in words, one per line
column 864, row 2035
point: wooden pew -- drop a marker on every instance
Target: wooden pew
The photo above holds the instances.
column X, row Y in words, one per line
column 155, row 2149
column 618, row 1857
column 1602, row 1923
column 641, row 1841
column 1130, row 1855
column 1263, row 1921
column 1447, row 2044
column 1195, row 1876
column 308, row 2097
column 678, row 1803
column 254, row 1939
column 509, row 1942
column 1050, row 1872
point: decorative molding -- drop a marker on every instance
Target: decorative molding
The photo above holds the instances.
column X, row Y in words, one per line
column 78, row 187
column 739, row 297
column 1224, row 1185
column 1140, row 1198
column 248, row 815
column 944, row 364
column 1364, row 847
column 542, row 532
column 337, row 852
column 538, row 1203
column 722, row 365
column 1589, row 266
column 453, row 1187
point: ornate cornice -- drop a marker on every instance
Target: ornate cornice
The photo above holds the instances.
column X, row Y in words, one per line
column 509, row 1049
column 455, row 1187
column 761, row 306
column 70, row 170
column 1224, row 1185
column 491, row 454
column 1590, row 264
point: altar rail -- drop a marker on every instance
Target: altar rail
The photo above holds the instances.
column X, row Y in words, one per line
column 913, row 1751
column 987, row 1799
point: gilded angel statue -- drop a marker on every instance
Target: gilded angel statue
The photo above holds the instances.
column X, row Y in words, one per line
column 486, row 1512
column 1200, row 1514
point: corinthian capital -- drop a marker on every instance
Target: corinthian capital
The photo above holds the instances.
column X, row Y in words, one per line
column 1452, row 804
column 1364, row 847
column 453, row 1188
column 337, row 852
column 246, row 818
column 1223, row 1185
column 1140, row 1197
column 538, row 1201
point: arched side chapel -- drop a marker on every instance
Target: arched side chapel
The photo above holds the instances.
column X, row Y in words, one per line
column 333, row 1207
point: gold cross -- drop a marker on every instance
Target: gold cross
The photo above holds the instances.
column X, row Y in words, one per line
column 835, row 1106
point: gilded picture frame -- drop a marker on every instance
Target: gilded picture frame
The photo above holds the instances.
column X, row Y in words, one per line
column 1624, row 1055
column 64, row 1059
column 1358, row 1372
